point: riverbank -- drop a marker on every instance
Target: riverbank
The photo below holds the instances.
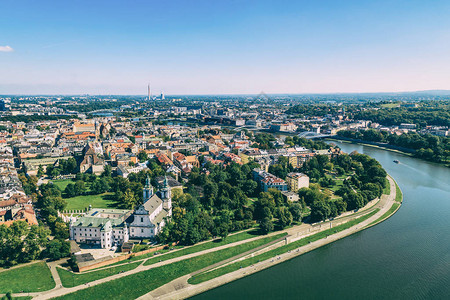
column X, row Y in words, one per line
column 385, row 147
column 299, row 240
column 363, row 143
column 388, row 261
column 394, row 208
column 181, row 289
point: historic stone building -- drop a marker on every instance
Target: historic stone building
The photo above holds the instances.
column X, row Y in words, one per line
column 113, row 227
column 91, row 163
column 149, row 218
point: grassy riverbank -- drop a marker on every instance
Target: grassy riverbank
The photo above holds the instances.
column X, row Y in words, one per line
column 395, row 206
column 138, row 284
column 31, row 278
column 386, row 215
column 168, row 254
column 399, row 194
column 69, row 279
column 273, row 253
column 205, row 246
column 387, row 189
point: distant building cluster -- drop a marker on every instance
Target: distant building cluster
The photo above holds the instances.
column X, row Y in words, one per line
column 15, row 205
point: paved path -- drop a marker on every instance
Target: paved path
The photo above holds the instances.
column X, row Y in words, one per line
column 52, row 266
column 59, row 291
column 179, row 288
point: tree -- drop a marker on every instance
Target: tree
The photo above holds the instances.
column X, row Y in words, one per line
column 57, row 249
column 59, row 203
column 340, row 205
column 107, row 171
column 354, row 200
column 264, row 206
column 284, row 217
column 266, row 225
column 193, row 235
column 210, row 192
column 249, row 187
column 222, row 230
column 40, row 171
column 100, row 186
column 61, row 231
column 79, row 187
column 71, row 165
column 127, row 200
column 320, row 211
column 296, row 211
column 70, row 190
column 142, row 156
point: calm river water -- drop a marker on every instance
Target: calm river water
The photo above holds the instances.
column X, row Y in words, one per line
column 405, row 257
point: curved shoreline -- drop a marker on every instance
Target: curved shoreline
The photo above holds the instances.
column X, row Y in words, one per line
column 331, row 139
column 181, row 289
column 392, row 213
column 370, row 145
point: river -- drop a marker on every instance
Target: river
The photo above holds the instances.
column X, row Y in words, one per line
column 405, row 257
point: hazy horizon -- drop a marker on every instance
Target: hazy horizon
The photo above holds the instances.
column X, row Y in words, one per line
column 425, row 92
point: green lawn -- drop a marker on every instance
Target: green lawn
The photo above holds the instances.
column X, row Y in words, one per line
column 272, row 253
column 213, row 244
column 70, row 279
column 387, row 189
column 97, row 201
column 62, row 183
column 138, row 284
column 82, row 202
column 386, row 214
column 166, row 254
column 32, row 278
column 337, row 185
column 390, row 105
column 399, row 194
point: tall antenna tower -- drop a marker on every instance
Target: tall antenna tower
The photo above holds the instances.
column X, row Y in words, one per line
column 149, row 97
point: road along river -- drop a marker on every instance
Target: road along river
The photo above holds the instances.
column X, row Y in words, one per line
column 405, row 257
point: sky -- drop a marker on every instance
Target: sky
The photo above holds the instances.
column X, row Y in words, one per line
column 223, row 47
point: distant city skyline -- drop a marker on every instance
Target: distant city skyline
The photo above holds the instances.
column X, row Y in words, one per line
column 223, row 47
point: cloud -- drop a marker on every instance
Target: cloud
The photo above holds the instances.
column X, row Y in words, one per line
column 6, row 49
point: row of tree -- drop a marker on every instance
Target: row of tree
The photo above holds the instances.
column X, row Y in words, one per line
column 433, row 113
column 365, row 181
column 427, row 146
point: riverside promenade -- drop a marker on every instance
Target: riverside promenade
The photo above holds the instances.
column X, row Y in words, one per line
column 181, row 289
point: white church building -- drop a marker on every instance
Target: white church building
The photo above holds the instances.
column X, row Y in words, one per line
column 112, row 227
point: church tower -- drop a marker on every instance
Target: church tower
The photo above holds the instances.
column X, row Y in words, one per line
column 148, row 189
column 166, row 196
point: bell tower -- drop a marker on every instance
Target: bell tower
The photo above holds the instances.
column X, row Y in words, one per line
column 148, row 189
column 166, row 196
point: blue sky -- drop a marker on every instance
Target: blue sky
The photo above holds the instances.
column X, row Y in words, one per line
column 225, row 47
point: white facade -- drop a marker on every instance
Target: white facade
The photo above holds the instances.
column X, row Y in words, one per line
column 104, row 227
column 109, row 227
column 149, row 218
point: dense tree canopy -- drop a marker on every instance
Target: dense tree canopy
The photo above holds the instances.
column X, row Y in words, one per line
column 429, row 147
